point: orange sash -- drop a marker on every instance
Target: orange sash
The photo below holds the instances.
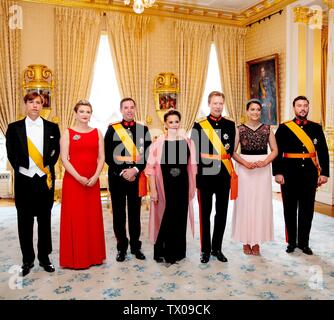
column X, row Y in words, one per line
column 222, row 155
column 306, row 140
column 134, row 156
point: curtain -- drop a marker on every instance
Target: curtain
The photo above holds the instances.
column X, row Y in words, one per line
column 230, row 45
column 128, row 40
column 77, row 33
column 324, row 51
column 193, row 41
column 10, row 57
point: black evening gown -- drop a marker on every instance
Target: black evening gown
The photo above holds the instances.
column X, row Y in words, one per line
column 171, row 241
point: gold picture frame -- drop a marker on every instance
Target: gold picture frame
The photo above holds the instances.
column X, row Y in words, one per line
column 263, row 84
column 166, row 90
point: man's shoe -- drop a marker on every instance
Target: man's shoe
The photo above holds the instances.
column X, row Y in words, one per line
column 205, row 257
column 290, row 248
column 120, row 256
column 26, row 268
column 306, row 250
column 219, row 255
column 48, row 267
column 139, row 255
column 159, row 259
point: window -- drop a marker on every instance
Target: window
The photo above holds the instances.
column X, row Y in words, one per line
column 105, row 95
column 3, row 153
column 213, row 83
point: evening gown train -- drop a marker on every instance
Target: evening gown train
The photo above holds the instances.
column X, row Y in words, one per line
column 82, row 242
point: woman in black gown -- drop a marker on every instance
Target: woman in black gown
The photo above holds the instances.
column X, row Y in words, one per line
column 172, row 169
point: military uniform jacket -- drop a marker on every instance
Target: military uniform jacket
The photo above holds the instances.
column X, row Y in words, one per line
column 210, row 170
column 114, row 147
column 288, row 142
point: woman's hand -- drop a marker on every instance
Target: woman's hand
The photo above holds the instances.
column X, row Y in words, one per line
column 260, row 164
column 83, row 180
column 249, row 165
column 154, row 196
column 91, row 181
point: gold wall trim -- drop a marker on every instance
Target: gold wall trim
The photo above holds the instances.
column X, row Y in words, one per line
column 196, row 13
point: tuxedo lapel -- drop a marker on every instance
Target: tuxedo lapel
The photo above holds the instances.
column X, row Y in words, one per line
column 45, row 138
column 22, row 134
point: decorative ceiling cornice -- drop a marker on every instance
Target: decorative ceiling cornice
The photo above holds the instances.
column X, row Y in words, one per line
column 172, row 10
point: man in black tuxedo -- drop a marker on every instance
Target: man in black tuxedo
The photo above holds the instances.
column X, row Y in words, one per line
column 33, row 149
column 301, row 166
column 213, row 178
column 126, row 145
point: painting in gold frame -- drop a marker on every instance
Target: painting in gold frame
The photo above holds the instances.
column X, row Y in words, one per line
column 263, row 84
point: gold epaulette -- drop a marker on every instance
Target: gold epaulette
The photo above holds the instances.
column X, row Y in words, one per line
column 116, row 122
column 201, row 119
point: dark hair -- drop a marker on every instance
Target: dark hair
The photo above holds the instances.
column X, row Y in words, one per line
column 215, row 94
column 31, row 96
column 256, row 101
column 299, row 98
column 172, row 112
column 82, row 103
column 126, row 99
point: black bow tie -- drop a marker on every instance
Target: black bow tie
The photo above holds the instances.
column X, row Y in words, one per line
column 301, row 122
column 128, row 123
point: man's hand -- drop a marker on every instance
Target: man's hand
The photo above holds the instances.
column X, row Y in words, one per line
column 279, row 178
column 129, row 174
column 322, row 180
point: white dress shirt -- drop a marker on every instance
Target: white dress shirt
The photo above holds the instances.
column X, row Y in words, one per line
column 35, row 132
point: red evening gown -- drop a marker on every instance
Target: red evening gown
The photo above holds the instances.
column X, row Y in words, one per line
column 82, row 241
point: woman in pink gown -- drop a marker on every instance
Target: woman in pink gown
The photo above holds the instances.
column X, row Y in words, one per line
column 82, row 241
column 252, row 222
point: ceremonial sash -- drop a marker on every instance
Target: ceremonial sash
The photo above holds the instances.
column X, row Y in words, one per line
column 134, row 156
column 222, row 155
column 306, row 140
column 36, row 156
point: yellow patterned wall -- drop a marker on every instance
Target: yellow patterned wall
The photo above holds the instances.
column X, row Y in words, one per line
column 267, row 38
column 262, row 39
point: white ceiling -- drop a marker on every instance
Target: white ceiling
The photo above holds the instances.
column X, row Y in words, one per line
column 229, row 5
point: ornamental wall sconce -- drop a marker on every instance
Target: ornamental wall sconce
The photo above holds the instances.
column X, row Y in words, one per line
column 312, row 16
column 166, row 89
column 39, row 78
column 139, row 5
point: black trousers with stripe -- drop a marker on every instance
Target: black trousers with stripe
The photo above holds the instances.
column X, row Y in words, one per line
column 221, row 191
column 298, row 195
column 125, row 194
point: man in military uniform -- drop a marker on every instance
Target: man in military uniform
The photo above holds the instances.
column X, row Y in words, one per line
column 214, row 138
column 301, row 166
column 126, row 143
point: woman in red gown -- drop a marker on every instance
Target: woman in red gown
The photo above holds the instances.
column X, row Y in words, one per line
column 82, row 242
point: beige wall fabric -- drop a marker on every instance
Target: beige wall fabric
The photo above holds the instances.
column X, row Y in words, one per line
column 77, row 33
column 10, row 57
column 128, row 38
column 230, row 45
column 193, row 41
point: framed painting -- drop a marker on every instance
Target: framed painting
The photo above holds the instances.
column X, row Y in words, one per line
column 263, row 84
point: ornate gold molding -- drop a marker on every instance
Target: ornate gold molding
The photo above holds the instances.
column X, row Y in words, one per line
column 330, row 3
column 301, row 14
column 329, row 133
column 181, row 11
